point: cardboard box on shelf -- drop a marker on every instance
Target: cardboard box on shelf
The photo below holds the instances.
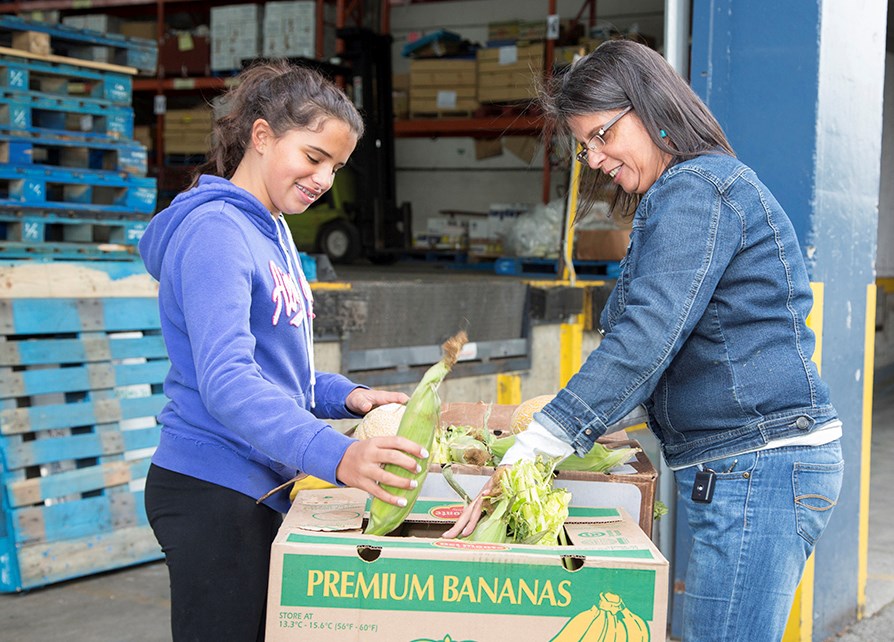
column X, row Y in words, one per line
column 483, row 239
column 532, row 29
column 188, row 131
column 400, row 95
column 509, row 73
column 138, row 29
column 100, row 22
column 32, row 41
column 290, row 29
column 601, row 245
column 235, row 35
column 440, row 85
column 143, row 134
column 329, row 581
column 439, row 72
column 633, row 487
column 428, row 101
column 503, row 31
column 185, row 54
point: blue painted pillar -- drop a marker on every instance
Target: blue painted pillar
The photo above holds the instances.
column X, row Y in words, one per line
column 798, row 87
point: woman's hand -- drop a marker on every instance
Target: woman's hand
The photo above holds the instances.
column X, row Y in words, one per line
column 468, row 520
column 360, row 400
column 362, row 465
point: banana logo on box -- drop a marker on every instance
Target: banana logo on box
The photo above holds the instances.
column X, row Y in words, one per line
column 609, row 621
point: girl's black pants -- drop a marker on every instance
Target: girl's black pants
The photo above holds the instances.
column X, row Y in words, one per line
column 216, row 543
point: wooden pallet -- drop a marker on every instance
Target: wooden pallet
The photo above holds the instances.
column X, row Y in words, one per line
column 52, row 252
column 41, row 279
column 30, row 112
column 19, row 227
column 74, row 152
column 64, row 80
column 80, row 385
column 101, row 192
column 84, row 44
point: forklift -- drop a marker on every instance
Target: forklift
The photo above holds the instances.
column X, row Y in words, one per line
column 359, row 216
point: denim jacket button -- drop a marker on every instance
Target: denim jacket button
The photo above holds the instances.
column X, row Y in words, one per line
column 588, row 431
column 803, row 423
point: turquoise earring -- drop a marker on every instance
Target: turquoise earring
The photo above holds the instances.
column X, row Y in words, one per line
column 662, row 133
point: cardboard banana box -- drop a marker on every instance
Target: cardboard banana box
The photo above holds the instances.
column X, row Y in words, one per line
column 329, row 581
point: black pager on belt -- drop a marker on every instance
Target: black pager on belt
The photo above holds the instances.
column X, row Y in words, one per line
column 703, row 489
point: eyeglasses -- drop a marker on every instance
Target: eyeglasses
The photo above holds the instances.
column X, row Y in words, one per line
column 597, row 142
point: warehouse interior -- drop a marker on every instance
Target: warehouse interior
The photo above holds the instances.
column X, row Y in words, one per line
column 454, row 213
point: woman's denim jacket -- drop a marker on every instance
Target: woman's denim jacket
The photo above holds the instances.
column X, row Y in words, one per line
column 706, row 325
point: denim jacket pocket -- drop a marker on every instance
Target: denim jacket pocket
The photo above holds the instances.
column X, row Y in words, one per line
column 816, row 489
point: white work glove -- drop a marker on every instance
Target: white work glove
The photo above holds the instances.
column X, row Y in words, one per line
column 536, row 440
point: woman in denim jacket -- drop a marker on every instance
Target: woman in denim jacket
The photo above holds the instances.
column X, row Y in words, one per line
column 706, row 329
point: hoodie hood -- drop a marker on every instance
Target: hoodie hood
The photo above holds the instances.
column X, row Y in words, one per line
column 163, row 225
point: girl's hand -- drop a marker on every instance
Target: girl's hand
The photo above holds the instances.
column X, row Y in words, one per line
column 362, row 465
column 360, row 400
column 468, row 520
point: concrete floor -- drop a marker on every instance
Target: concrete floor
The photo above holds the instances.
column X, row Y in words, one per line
column 878, row 623
column 132, row 604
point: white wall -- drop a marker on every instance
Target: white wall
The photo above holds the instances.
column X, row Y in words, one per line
column 442, row 174
column 884, row 315
column 885, row 261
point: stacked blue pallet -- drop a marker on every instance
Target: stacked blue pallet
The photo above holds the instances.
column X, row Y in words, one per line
column 80, row 385
column 81, row 366
column 73, row 180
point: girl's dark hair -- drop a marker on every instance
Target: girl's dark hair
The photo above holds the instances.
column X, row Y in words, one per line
column 619, row 74
column 287, row 97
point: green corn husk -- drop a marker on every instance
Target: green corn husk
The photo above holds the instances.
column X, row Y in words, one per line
column 598, row 460
column 463, row 445
column 419, row 423
column 525, row 507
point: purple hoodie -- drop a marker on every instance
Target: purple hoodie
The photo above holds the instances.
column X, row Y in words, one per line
column 236, row 328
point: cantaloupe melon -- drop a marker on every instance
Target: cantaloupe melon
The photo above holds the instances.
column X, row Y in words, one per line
column 381, row 421
column 524, row 413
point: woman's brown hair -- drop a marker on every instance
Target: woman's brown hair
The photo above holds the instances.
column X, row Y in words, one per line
column 619, row 74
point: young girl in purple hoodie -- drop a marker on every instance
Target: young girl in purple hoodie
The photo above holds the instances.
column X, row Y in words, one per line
column 247, row 408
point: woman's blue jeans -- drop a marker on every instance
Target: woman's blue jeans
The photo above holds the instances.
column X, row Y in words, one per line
column 751, row 542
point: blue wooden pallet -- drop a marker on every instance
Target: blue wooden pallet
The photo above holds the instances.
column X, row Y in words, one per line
column 141, row 53
column 27, row 112
column 74, row 152
column 101, row 192
column 60, row 79
column 80, row 385
column 80, row 518
column 34, row 490
column 64, row 316
column 49, row 228
column 540, row 267
column 100, row 254
column 46, row 563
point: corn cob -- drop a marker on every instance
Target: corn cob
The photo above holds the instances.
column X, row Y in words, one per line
column 419, row 422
